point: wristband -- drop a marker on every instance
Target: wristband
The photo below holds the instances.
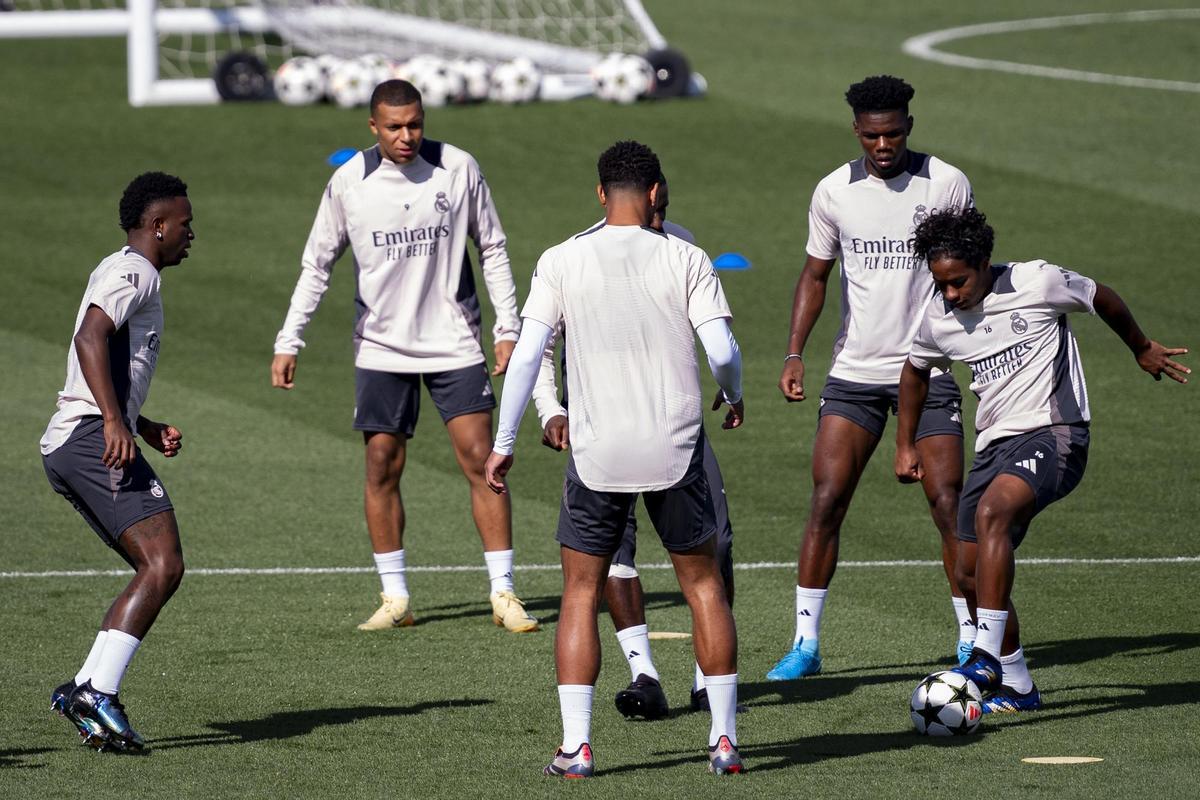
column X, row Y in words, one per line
column 790, row 356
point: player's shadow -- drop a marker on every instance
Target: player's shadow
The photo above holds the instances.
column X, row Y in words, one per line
column 18, row 759
column 544, row 608
column 1101, row 700
column 1079, row 651
column 804, row 750
column 290, row 724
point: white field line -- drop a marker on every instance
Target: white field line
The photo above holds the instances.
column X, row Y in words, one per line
column 925, row 47
column 102, row 573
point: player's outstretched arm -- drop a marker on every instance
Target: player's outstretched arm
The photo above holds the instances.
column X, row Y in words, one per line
column 91, row 345
column 914, row 387
column 1151, row 356
column 725, row 361
column 164, row 438
column 806, row 307
column 518, row 386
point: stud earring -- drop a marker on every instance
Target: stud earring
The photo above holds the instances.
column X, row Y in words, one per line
column 158, row 235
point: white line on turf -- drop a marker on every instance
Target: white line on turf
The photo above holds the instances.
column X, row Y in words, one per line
column 925, row 47
column 101, row 573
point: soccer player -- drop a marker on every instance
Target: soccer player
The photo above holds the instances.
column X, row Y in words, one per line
column 1008, row 322
column 633, row 300
column 644, row 697
column 91, row 459
column 864, row 213
column 406, row 208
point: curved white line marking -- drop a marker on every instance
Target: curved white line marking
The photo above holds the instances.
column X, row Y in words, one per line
column 925, row 47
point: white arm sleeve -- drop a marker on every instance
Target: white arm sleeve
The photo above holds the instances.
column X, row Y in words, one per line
column 724, row 357
column 326, row 243
column 519, row 380
column 545, row 391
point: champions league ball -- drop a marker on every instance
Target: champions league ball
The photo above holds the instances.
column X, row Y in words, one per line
column 351, row 84
column 476, row 76
column 515, row 82
column 299, row 82
column 621, row 78
column 378, row 68
column 946, row 704
column 437, row 81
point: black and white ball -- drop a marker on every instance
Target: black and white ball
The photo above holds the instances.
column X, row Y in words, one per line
column 946, row 704
column 351, row 84
column 516, row 81
column 299, row 82
column 621, row 78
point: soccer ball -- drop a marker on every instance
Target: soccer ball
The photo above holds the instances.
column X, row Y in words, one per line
column 378, row 68
column 476, row 76
column 946, row 704
column 621, row 78
column 328, row 63
column 515, row 81
column 351, row 84
column 299, row 82
column 437, row 81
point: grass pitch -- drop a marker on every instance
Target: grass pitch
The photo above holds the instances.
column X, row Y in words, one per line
column 259, row 686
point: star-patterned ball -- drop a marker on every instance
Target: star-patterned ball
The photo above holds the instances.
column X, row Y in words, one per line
column 946, row 704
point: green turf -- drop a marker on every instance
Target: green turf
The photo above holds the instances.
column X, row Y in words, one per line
column 260, row 687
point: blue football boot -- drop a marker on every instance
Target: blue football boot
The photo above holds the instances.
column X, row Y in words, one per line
column 796, row 663
column 60, row 701
column 1007, row 700
column 964, row 651
column 983, row 670
column 104, row 717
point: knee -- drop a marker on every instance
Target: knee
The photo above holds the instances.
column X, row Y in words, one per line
column 828, row 507
column 992, row 522
column 383, row 473
column 166, row 570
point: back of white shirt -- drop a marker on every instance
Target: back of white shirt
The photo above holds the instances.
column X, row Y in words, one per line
column 125, row 286
column 630, row 299
column 1024, row 361
column 867, row 223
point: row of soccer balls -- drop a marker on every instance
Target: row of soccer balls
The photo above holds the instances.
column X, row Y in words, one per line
column 302, row 80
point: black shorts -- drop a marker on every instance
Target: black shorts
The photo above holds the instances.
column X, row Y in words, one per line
column 111, row 500
column 594, row 522
column 1051, row 460
column 389, row 402
column 867, row 405
column 627, row 550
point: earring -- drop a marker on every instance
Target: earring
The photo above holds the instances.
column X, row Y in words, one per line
column 158, row 235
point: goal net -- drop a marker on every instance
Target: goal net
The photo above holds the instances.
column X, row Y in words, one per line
column 174, row 46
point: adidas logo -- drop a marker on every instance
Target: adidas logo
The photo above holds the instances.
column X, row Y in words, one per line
column 1028, row 464
column 968, row 624
column 983, row 626
column 632, row 655
column 804, row 613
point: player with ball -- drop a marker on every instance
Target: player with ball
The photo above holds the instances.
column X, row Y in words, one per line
column 1008, row 323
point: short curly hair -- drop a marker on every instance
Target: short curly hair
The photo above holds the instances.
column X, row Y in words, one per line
column 144, row 191
column 395, row 92
column 964, row 235
column 628, row 165
column 880, row 93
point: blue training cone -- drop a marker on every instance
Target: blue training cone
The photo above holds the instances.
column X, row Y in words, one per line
column 339, row 157
column 731, row 261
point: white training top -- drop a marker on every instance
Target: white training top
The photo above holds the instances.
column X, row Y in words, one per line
column 125, row 286
column 867, row 223
column 631, row 299
column 1024, row 361
column 408, row 225
column 545, row 391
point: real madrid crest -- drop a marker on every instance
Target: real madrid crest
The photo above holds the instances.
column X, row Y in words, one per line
column 441, row 203
column 1019, row 325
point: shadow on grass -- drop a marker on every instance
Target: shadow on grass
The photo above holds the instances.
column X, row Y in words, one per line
column 16, row 759
column 1078, row 651
column 1103, row 701
column 804, row 750
column 290, row 724
column 544, row 608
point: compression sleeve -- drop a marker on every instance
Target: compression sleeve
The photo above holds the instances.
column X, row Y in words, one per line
column 518, row 382
column 545, row 391
column 724, row 357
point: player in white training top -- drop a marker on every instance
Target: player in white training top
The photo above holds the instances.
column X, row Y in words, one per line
column 406, row 208
column 644, row 697
column 90, row 457
column 864, row 213
column 1008, row 322
column 632, row 301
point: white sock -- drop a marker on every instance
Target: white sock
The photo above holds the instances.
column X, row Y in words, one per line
column 810, row 604
column 114, row 659
column 93, row 656
column 722, row 700
column 990, row 634
column 499, row 565
column 1016, row 672
column 966, row 625
column 635, row 643
column 575, row 702
column 391, row 573
column 698, row 681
